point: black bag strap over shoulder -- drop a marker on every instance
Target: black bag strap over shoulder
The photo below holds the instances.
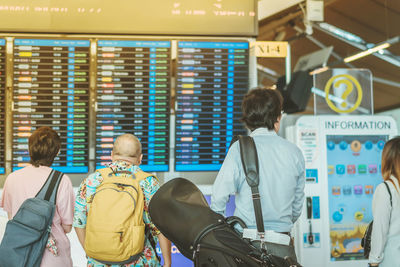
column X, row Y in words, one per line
column 47, row 191
column 249, row 157
column 390, row 194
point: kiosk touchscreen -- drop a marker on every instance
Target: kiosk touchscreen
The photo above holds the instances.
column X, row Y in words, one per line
column 343, row 168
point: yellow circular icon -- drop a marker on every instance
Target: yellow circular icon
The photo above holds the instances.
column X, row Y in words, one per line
column 350, row 82
column 355, row 146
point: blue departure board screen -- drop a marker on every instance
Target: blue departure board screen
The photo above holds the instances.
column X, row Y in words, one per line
column 212, row 78
column 2, row 103
column 51, row 88
column 133, row 90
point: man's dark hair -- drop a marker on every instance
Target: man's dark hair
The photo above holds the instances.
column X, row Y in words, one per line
column 44, row 144
column 261, row 107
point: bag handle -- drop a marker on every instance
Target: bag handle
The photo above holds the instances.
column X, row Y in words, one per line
column 249, row 157
column 49, row 189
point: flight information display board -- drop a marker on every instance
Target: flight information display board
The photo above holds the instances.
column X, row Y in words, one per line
column 2, row 102
column 51, row 88
column 212, row 78
column 133, row 89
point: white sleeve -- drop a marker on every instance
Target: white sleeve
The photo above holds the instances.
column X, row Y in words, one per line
column 226, row 182
column 381, row 209
column 297, row 205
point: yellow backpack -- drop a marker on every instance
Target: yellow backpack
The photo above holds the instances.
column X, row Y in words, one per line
column 115, row 231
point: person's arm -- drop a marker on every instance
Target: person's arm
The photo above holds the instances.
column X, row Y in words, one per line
column 81, row 233
column 5, row 198
column 381, row 212
column 80, row 212
column 299, row 195
column 165, row 246
column 67, row 228
column 65, row 203
column 226, row 181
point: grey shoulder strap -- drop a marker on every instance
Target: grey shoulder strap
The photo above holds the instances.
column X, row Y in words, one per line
column 49, row 189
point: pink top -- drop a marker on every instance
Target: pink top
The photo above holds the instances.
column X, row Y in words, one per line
column 26, row 183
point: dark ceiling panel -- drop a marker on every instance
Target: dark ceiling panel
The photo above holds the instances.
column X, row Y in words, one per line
column 373, row 20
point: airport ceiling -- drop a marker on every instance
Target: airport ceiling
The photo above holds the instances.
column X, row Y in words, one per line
column 375, row 21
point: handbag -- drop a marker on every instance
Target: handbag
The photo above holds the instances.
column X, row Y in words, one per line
column 366, row 240
column 249, row 158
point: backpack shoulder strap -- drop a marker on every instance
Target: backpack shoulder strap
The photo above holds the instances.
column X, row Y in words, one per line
column 249, row 157
column 105, row 172
column 141, row 175
column 49, row 189
column 390, row 194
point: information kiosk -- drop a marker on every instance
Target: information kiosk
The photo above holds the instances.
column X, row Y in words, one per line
column 343, row 168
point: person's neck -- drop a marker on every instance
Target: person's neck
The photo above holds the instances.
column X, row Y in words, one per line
column 125, row 160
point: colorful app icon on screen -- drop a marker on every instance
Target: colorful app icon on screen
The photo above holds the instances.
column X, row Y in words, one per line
column 362, row 169
column 347, row 190
column 368, row 145
column 336, row 190
column 343, row 145
column 331, row 169
column 355, row 146
column 337, row 216
column 381, row 144
column 340, row 169
column 331, row 145
column 351, row 169
column 369, row 189
column 359, row 215
column 358, row 190
column 372, row 168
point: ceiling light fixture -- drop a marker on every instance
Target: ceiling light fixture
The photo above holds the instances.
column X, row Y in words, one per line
column 366, row 52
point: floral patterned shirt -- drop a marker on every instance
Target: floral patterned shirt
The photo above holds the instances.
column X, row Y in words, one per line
column 149, row 187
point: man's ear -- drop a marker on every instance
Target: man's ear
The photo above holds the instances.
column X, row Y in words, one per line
column 112, row 155
column 277, row 124
column 140, row 159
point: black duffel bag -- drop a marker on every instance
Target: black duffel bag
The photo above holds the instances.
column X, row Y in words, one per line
column 181, row 213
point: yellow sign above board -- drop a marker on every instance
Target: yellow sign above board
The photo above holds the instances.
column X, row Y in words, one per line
column 270, row 48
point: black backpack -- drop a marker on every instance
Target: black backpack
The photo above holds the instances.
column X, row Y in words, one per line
column 26, row 235
column 181, row 213
column 366, row 240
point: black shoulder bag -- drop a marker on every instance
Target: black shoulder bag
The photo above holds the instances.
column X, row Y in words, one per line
column 366, row 240
column 249, row 157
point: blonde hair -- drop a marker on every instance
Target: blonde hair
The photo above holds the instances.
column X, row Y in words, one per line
column 391, row 160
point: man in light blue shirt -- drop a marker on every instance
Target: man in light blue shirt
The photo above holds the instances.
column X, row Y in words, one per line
column 281, row 168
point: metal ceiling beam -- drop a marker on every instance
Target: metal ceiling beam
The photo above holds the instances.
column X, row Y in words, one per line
column 338, row 57
column 388, row 59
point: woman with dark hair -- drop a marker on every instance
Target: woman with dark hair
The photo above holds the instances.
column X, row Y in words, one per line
column 385, row 238
column 44, row 145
